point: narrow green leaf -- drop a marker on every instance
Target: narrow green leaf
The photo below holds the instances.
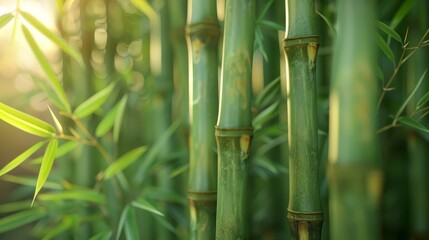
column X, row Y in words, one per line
column 45, row 168
column 154, row 151
column 94, row 102
column 389, row 31
column 66, row 223
column 145, row 205
column 326, row 20
column 122, row 220
column 401, row 13
column 25, row 122
column 131, row 226
column 20, row 219
column 124, row 161
column 379, row 73
column 423, row 100
column 118, row 119
column 87, row 195
column 62, row 150
column 266, row 115
column 69, row 50
column 107, row 122
column 413, row 123
column 21, row 158
column 45, row 87
column 5, row 19
column 269, row 94
column 145, row 8
column 265, row 9
column 385, row 48
column 164, row 195
column 57, row 123
column 14, row 206
column 105, row 235
column 401, row 109
column 46, row 66
column 270, row 25
column 30, row 181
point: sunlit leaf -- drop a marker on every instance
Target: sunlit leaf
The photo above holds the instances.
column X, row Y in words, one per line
column 389, row 31
column 405, row 8
column 94, row 102
column 56, row 121
column 146, row 9
column 46, row 66
column 26, row 122
column 79, row 195
column 21, row 158
column 145, row 205
column 131, row 226
column 45, row 168
column 45, row 87
column 124, row 161
column 107, row 122
column 385, row 48
column 19, row 219
column 118, row 119
column 413, row 123
column 53, row 37
column 30, row 181
column 5, row 19
column 62, row 150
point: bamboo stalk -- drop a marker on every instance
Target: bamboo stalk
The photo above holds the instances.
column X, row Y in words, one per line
column 354, row 174
column 301, row 45
column 203, row 38
column 234, row 126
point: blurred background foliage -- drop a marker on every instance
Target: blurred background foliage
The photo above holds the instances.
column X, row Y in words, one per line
column 139, row 47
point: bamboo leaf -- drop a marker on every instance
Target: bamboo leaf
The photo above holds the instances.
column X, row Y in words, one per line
column 131, row 226
column 118, row 119
column 401, row 109
column 389, row 31
column 45, row 168
column 379, row 73
column 44, row 87
column 30, row 181
column 265, row 10
column 145, row 8
column 385, row 48
column 21, row 158
column 266, row 115
column 107, row 122
column 94, row 102
column 106, row 235
column 62, row 150
column 401, row 13
column 69, row 50
column 87, row 195
column 270, row 25
column 145, row 205
column 326, row 20
column 268, row 94
column 124, row 161
column 57, row 123
column 19, row 219
column 25, row 122
column 14, row 206
column 164, row 195
column 423, row 100
column 64, row 225
column 5, row 19
column 413, row 123
column 154, row 151
column 46, row 67
column 122, row 220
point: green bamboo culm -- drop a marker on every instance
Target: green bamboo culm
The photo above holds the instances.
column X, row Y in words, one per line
column 353, row 172
column 300, row 46
column 203, row 36
column 234, row 125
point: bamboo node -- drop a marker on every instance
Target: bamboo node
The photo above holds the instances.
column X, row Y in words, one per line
column 301, row 40
column 208, row 28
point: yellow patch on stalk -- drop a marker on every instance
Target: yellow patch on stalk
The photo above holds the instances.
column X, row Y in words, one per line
column 244, row 143
column 197, row 45
column 312, row 53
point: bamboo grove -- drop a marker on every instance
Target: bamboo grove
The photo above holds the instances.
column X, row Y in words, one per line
column 214, row 119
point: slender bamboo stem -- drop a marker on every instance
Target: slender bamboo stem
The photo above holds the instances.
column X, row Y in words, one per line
column 234, row 126
column 301, row 45
column 203, row 38
column 354, row 174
